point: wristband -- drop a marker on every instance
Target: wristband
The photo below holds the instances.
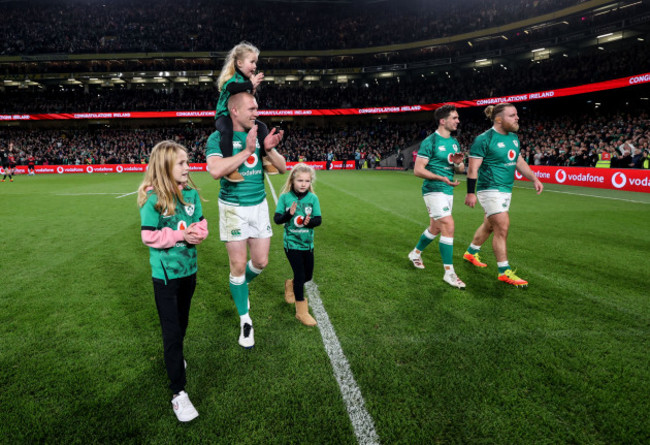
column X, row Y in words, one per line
column 471, row 185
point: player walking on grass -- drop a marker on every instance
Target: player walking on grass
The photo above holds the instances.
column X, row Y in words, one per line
column 243, row 211
column 9, row 163
column 299, row 210
column 237, row 76
column 437, row 160
column 493, row 159
column 172, row 224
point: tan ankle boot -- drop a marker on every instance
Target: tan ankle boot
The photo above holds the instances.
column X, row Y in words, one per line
column 302, row 313
column 234, row 177
column 289, row 296
column 268, row 167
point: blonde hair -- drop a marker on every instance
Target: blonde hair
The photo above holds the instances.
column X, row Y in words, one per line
column 492, row 111
column 238, row 52
column 301, row 167
column 159, row 177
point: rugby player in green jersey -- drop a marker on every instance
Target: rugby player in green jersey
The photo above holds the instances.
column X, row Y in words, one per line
column 437, row 160
column 493, row 159
column 243, row 211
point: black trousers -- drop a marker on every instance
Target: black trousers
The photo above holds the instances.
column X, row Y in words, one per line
column 224, row 125
column 302, row 263
column 173, row 301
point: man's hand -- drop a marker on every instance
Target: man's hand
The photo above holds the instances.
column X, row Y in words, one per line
column 273, row 139
column 470, row 200
column 251, row 140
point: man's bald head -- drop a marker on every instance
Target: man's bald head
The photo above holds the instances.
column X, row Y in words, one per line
column 243, row 111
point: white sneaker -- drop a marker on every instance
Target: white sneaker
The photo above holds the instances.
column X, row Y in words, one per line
column 416, row 259
column 183, row 408
column 453, row 280
column 246, row 337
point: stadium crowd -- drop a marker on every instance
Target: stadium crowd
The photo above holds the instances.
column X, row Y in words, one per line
column 406, row 90
column 73, row 26
column 574, row 140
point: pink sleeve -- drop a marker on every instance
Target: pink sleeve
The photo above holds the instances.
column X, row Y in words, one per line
column 202, row 228
column 161, row 239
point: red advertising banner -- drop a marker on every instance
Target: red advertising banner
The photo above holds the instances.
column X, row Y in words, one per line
column 140, row 168
column 632, row 180
column 322, row 165
column 561, row 92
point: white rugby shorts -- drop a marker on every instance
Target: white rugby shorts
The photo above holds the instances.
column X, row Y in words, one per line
column 494, row 202
column 237, row 223
column 439, row 204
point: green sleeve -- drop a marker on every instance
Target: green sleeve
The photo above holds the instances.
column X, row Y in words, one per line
column 426, row 146
column 315, row 211
column 479, row 147
column 149, row 216
column 213, row 147
column 280, row 208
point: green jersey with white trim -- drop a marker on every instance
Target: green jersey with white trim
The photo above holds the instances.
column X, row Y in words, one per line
column 296, row 235
column 438, row 150
column 499, row 153
column 249, row 192
column 180, row 260
column 224, row 95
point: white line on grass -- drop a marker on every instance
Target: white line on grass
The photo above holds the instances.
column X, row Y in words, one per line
column 82, row 194
column 362, row 423
column 275, row 197
column 364, row 427
column 128, row 194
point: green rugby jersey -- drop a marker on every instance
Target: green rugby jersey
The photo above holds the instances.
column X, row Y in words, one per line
column 180, row 260
column 438, row 150
column 296, row 236
column 224, row 94
column 499, row 153
column 251, row 191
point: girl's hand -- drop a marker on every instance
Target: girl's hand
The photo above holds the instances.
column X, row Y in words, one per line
column 292, row 210
column 306, row 220
column 256, row 80
column 191, row 236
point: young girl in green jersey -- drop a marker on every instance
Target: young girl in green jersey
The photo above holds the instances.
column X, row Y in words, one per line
column 299, row 210
column 172, row 224
column 238, row 75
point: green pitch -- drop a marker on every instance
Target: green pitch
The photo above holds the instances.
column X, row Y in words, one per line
column 565, row 361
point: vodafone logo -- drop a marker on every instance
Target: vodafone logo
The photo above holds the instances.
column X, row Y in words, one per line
column 615, row 180
column 181, row 225
column 251, row 161
column 59, row 170
column 119, row 169
column 299, row 221
column 511, row 155
column 89, row 169
column 449, row 158
column 518, row 175
column 560, row 176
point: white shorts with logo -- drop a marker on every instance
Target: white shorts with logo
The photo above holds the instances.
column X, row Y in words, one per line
column 494, row 202
column 237, row 223
column 439, row 204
